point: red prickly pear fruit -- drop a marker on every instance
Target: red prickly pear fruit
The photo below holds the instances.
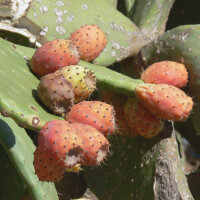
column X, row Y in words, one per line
column 46, row 167
column 95, row 145
column 94, row 113
column 166, row 72
column 90, row 41
column 165, row 101
column 140, row 120
column 54, row 55
column 82, row 80
column 117, row 101
column 56, row 93
column 60, row 140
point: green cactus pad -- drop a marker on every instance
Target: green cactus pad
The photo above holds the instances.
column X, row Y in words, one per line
column 151, row 16
column 18, row 85
column 20, row 148
column 112, row 2
column 180, row 44
column 10, row 179
column 58, row 19
column 112, row 81
column 137, row 168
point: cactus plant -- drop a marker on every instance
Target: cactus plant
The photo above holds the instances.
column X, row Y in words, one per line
column 136, row 168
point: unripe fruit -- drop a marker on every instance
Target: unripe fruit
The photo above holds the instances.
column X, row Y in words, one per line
column 83, row 81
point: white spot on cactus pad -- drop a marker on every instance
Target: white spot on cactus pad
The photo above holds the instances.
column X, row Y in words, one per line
column 60, row 3
column 65, row 11
column 70, row 18
column 113, row 53
column 59, row 20
column 44, row 9
column 35, row 14
column 115, row 45
column 84, row 6
column 60, row 30
column 121, row 28
column 44, row 31
column 58, row 13
column 113, row 25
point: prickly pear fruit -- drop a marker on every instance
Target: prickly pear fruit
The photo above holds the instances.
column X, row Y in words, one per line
column 95, row 145
column 166, row 72
column 82, row 80
column 94, row 113
column 90, row 41
column 46, row 167
column 165, row 101
column 54, row 55
column 56, row 93
column 60, row 140
column 117, row 101
column 140, row 119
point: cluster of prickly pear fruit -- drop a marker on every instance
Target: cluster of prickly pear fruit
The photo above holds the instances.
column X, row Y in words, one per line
column 81, row 139
column 159, row 98
column 63, row 145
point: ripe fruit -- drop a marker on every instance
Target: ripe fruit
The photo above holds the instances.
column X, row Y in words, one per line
column 95, row 145
column 165, row 101
column 82, row 79
column 60, row 140
column 168, row 72
column 56, row 93
column 94, row 113
column 140, row 120
column 54, row 55
column 46, row 167
column 90, row 41
column 117, row 101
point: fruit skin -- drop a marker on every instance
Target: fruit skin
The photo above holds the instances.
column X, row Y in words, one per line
column 82, row 79
column 46, row 167
column 54, row 55
column 61, row 141
column 140, row 119
column 166, row 72
column 117, row 101
column 90, row 41
column 165, row 101
column 95, row 145
column 56, row 93
column 94, row 113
